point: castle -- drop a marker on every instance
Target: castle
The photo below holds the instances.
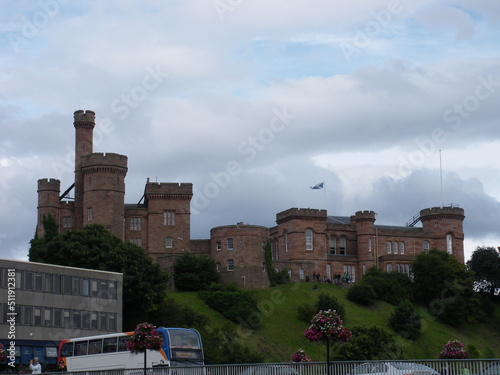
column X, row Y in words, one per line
column 304, row 242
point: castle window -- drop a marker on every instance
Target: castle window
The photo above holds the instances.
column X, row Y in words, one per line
column 230, row 245
column 230, row 264
column 364, row 269
column 217, row 266
column 135, row 223
column 449, row 244
column 389, row 267
column 169, row 242
column 66, row 221
column 168, row 217
column 369, row 245
column 276, row 252
column 301, row 274
column 389, row 247
column 426, row 246
column 350, row 272
column 333, row 245
column 401, row 247
column 309, row 239
column 263, row 266
column 89, row 214
column 328, row 272
column 218, row 245
column 342, row 246
column 395, row 247
column 286, row 241
column 136, row 241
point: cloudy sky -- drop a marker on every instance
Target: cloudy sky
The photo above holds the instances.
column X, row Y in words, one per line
column 254, row 102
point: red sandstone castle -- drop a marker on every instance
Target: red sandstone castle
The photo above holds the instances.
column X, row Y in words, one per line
column 304, row 241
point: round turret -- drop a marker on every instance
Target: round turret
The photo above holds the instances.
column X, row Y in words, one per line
column 48, row 201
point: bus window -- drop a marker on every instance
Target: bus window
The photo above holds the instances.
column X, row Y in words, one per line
column 95, row 346
column 81, row 348
column 109, row 345
column 121, row 343
column 67, row 350
column 184, row 339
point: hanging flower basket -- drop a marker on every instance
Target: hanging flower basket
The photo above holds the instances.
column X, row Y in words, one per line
column 327, row 326
column 454, row 350
column 145, row 337
column 300, row 356
column 3, row 353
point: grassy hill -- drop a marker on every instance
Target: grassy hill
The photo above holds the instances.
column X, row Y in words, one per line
column 280, row 332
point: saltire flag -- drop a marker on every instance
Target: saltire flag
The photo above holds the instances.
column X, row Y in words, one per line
column 318, row 186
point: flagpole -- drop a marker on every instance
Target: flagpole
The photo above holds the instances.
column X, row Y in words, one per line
column 441, row 177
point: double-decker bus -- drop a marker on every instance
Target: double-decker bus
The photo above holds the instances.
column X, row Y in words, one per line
column 181, row 347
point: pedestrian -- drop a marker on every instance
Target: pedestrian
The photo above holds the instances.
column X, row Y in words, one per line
column 35, row 366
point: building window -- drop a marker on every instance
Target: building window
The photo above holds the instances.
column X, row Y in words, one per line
column 401, row 247
column 230, row 245
column 276, row 252
column 333, row 245
column 286, row 241
column 112, row 322
column 85, row 287
column 37, row 312
column 389, row 267
column 136, row 241
column 93, row 320
column 93, row 288
column 263, row 266
column 328, row 272
column 395, row 247
column 364, row 269
column 301, row 274
column 389, row 247
column 169, row 217
column 66, row 221
column 218, row 245
column 369, row 245
column 309, row 239
column 449, row 243
column 426, row 246
column 57, row 318
column 28, row 280
column 104, row 321
column 48, row 283
column 230, row 264
column 66, row 319
column 47, row 317
column 350, row 273
column 342, row 246
column 89, row 214
column 217, row 266
column 28, row 315
column 77, row 319
column 169, row 242
column 135, row 223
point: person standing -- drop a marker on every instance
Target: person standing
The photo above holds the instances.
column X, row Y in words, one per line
column 35, row 366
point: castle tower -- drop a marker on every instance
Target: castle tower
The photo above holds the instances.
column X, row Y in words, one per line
column 444, row 226
column 103, row 181
column 169, row 217
column 84, row 122
column 48, row 201
column 365, row 237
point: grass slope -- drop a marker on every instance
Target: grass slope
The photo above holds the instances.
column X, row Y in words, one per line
column 280, row 333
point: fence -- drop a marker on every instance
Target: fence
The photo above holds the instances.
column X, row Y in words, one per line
column 400, row 367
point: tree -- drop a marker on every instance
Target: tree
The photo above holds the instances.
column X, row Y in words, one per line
column 485, row 263
column 328, row 302
column 94, row 247
column 370, row 343
column 193, row 273
column 406, row 321
column 446, row 286
column 275, row 277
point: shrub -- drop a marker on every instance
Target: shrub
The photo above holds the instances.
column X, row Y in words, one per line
column 327, row 302
column 362, row 294
column 305, row 312
column 391, row 287
column 369, row 343
column 406, row 321
column 235, row 304
column 193, row 272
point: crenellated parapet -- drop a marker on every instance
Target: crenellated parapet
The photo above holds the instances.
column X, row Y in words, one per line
column 301, row 213
column 49, row 184
column 104, row 163
column 161, row 190
column 364, row 215
column 446, row 212
column 84, row 119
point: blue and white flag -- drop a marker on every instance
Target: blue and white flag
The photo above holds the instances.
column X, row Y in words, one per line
column 318, row 186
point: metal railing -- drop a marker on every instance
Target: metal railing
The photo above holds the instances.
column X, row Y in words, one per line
column 400, row 367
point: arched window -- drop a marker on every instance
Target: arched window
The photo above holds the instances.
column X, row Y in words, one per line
column 276, row 252
column 169, row 242
column 342, row 247
column 395, row 247
column 401, row 247
column 426, row 246
column 309, row 239
column 333, row 245
column 389, row 247
column 449, row 243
